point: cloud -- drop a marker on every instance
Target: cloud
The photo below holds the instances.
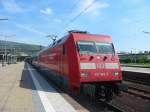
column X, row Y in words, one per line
column 94, row 9
column 126, row 20
column 58, row 20
column 11, row 6
column 46, row 11
column 31, row 29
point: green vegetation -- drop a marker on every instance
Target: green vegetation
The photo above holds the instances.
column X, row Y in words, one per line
column 137, row 64
column 143, row 61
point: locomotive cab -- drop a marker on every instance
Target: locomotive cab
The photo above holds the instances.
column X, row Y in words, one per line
column 99, row 66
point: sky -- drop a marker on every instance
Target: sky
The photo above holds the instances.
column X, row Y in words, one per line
column 30, row 21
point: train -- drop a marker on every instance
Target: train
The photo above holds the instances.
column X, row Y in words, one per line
column 81, row 62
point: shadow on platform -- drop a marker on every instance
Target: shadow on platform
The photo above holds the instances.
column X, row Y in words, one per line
column 27, row 82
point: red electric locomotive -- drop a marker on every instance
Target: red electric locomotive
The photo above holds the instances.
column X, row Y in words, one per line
column 83, row 62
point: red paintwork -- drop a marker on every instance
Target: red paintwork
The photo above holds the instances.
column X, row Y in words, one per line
column 68, row 65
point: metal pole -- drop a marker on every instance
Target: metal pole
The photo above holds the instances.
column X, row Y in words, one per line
column 3, row 57
column 135, row 55
column 14, row 57
column 5, row 50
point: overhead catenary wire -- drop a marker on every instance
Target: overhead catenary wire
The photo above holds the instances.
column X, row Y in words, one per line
column 74, row 5
column 79, row 14
column 64, row 29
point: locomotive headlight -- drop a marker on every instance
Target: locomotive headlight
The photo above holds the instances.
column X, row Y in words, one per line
column 84, row 74
column 115, row 73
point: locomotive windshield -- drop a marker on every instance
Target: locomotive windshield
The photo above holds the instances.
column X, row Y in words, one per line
column 87, row 47
column 92, row 47
column 105, row 48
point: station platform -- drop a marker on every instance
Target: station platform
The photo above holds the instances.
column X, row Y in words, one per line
column 23, row 89
column 14, row 98
column 136, row 69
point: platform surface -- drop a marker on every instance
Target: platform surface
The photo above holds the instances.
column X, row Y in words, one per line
column 13, row 97
column 136, row 69
column 23, row 89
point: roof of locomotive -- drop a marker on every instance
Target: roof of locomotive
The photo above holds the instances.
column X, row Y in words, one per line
column 75, row 34
column 91, row 36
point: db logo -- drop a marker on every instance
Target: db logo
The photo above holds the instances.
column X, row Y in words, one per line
column 101, row 65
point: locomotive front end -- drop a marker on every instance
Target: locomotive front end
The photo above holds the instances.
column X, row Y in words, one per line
column 99, row 66
column 98, row 62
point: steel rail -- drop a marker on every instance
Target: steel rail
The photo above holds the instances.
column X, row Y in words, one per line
column 138, row 94
column 112, row 107
column 138, row 89
column 137, row 81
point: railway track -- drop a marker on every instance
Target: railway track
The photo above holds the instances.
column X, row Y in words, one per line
column 136, row 92
column 139, row 92
column 138, row 81
column 136, row 77
column 137, row 89
column 112, row 107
